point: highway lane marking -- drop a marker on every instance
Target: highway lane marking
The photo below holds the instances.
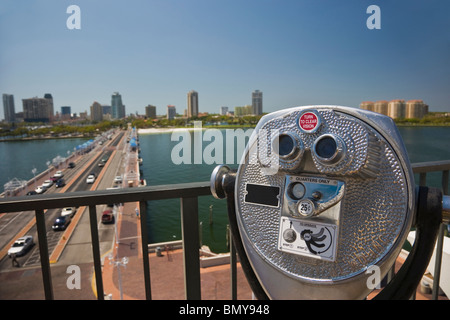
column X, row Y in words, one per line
column 56, row 254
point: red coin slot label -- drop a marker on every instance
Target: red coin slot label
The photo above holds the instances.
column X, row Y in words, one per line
column 308, row 121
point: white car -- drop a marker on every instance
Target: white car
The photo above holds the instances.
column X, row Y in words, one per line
column 68, row 211
column 90, row 178
column 47, row 183
column 118, row 179
column 40, row 189
column 21, row 246
column 58, row 174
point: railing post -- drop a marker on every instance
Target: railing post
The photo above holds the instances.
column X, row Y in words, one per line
column 233, row 268
column 43, row 252
column 423, row 179
column 439, row 245
column 144, row 245
column 96, row 252
column 191, row 257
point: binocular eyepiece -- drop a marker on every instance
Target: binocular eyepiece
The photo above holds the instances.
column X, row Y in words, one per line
column 322, row 195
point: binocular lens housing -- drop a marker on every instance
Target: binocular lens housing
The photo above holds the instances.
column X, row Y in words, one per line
column 329, row 149
column 286, row 145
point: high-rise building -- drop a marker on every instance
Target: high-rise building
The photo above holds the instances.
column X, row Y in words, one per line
column 192, row 102
column 96, row 112
column 223, row 111
column 51, row 111
column 257, row 105
column 8, row 108
column 397, row 109
column 150, row 111
column 171, row 112
column 106, row 109
column 38, row 109
column 118, row 109
column 66, row 112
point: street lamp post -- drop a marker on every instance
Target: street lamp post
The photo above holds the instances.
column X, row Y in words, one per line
column 119, row 263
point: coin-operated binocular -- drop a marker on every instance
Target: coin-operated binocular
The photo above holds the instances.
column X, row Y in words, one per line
column 323, row 200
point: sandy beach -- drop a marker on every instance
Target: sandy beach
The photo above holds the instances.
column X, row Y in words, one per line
column 165, row 130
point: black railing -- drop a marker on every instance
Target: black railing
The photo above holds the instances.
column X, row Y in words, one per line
column 422, row 169
column 188, row 193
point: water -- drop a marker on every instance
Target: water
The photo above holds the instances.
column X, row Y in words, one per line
column 19, row 158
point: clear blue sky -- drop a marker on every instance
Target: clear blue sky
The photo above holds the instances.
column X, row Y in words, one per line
column 296, row 52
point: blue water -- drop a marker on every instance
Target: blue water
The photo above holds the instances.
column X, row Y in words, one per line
column 18, row 158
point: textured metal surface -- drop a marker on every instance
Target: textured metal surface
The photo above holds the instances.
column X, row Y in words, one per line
column 374, row 210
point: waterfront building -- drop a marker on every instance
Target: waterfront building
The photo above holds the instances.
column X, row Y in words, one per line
column 8, row 108
column 223, row 111
column 367, row 105
column 150, row 111
column 381, row 107
column 107, row 109
column 38, row 109
column 416, row 109
column 257, row 105
column 66, row 112
column 243, row 111
column 96, row 112
column 171, row 112
column 117, row 107
column 192, row 102
column 397, row 109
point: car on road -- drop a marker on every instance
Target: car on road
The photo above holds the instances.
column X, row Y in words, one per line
column 90, row 178
column 58, row 174
column 21, row 246
column 40, row 189
column 61, row 223
column 47, row 183
column 71, row 165
column 103, row 162
column 118, row 179
column 107, row 217
column 31, row 193
column 68, row 211
column 60, row 183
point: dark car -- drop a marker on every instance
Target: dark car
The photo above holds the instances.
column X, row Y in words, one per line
column 31, row 193
column 60, row 183
column 71, row 165
column 61, row 223
column 107, row 217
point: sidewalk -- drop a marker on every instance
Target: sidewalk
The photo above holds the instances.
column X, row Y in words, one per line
column 166, row 271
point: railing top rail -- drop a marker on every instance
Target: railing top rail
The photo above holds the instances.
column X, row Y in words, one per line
column 160, row 192
column 86, row 198
column 430, row 166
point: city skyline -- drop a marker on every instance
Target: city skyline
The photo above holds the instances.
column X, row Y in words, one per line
column 295, row 52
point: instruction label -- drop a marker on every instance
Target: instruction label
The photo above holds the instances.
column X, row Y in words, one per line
column 308, row 238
